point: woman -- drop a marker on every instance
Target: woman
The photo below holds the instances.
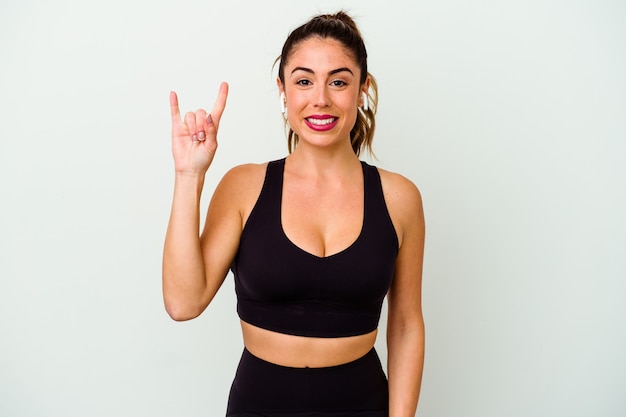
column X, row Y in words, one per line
column 315, row 242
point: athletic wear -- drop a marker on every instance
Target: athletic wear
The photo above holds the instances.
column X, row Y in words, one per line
column 261, row 388
column 282, row 288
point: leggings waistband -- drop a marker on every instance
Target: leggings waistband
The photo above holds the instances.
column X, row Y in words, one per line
column 264, row 387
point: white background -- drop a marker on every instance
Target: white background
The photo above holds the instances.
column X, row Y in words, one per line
column 509, row 115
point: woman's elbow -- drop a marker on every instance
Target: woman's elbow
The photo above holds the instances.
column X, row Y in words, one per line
column 181, row 310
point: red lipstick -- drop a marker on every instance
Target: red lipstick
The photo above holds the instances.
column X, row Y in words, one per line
column 321, row 122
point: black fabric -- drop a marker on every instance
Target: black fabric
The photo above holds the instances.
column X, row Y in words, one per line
column 263, row 389
column 282, row 288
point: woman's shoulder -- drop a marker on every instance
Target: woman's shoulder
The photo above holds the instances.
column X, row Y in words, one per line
column 397, row 188
column 404, row 202
column 240, row 187
column 245, row 172
column 250, row 175
column 243, row 179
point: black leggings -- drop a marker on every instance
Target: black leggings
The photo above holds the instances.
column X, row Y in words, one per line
column 264, row 389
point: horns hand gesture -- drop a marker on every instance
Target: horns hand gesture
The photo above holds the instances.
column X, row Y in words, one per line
column 194, row 138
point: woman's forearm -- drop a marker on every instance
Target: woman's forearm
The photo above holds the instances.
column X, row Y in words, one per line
column 404, row 366
column 184, row 278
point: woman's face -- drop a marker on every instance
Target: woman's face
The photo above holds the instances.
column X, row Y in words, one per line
column 322, row 92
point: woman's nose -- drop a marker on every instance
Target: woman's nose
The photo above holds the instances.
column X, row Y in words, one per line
column 322, row 98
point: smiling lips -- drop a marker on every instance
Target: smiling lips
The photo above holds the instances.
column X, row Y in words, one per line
column 321, row 122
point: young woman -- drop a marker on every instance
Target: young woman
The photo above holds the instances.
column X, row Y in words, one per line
column 315, row 241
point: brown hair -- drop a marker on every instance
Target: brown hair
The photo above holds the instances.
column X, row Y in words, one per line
column 340, row 27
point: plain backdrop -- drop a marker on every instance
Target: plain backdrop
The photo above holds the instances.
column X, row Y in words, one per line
column 510, row 116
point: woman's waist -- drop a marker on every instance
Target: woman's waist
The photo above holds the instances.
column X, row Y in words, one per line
column 302, row 351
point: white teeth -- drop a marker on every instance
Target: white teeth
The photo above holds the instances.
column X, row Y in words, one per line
column 320, row 122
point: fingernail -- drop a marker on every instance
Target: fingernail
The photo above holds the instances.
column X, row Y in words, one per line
column 209, row 119
column 194, row 137
column 201, row 136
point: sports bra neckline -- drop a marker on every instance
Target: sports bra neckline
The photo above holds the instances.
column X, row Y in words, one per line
column 306, row 252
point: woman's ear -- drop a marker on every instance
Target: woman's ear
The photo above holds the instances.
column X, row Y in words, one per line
column 279, row 84
column 364, row 100
column 366, row 85
column 283, row 100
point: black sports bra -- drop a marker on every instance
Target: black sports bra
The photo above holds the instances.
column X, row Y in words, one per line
column 281, row 287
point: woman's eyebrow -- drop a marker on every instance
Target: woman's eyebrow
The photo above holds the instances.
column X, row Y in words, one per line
column 335, row 71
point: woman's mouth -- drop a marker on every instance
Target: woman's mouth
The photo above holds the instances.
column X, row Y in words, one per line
column 321, row 123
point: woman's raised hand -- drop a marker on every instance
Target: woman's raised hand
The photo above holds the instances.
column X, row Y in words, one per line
column 194, row 138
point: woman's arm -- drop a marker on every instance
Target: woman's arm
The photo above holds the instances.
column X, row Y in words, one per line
column 194, row 268
column 405, row 326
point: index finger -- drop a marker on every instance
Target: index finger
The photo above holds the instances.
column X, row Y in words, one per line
column 220, row 103
column 174, row 111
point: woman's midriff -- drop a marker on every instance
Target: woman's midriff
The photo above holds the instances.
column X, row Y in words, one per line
column 300, row 352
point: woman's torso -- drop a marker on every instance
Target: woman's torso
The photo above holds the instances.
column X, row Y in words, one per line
column 320, row 219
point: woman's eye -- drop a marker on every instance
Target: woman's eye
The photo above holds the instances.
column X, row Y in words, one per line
column 303, row 82
column 338, row 83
